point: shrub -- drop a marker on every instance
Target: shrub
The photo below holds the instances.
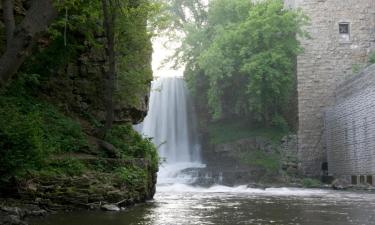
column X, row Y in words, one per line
column 371, row 57
column 22, row 143
column 132, row 144
column 279, row 122
column 66, row 166
column 132, row 176
column 311, row 183
column 30, row 131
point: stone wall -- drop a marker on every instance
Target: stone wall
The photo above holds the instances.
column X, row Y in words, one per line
column 328, row 59
column 350, row 127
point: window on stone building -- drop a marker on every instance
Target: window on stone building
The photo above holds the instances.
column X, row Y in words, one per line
column 369, row 180
column 344, row 31
column 354, row 180
column 344, row 28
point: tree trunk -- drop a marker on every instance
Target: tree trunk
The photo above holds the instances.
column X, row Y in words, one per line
column 109, row 12
column 8, row 16
column 20, row 38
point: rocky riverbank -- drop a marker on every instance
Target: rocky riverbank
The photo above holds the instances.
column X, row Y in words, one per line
column 258, row 159
column 107, row 188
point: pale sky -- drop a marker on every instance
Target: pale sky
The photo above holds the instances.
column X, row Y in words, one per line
column 161, row 53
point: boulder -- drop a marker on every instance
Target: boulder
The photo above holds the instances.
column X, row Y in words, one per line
column 110, row 207
column 340, row 184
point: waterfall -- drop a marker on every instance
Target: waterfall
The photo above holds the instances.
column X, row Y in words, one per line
column 171, row 123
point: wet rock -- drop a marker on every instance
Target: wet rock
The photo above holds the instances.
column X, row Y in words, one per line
column 13, row 211
column 39, row 212
column 110, row 207
column 11, row 216
column 340, row 184
column 11, row 220
column 257, row 186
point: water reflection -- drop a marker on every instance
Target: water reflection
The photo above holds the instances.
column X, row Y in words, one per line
column 230, row 206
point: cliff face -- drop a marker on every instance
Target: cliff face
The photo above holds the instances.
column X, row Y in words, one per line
column 50, row 114
column 80, row 88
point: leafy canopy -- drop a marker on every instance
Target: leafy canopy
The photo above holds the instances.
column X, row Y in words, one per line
column 243, row 58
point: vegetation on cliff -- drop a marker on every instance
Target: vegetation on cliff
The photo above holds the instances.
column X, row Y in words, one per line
column 66, row 113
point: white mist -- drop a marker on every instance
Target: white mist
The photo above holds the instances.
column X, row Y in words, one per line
column 171, row 123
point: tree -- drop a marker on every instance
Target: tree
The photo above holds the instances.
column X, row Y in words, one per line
column 109, row 22
column 21, row 37
column 246, row 52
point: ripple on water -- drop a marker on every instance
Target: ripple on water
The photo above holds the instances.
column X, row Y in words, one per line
column 219, row 205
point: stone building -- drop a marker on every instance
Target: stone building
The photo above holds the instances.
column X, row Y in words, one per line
column 342, row 36
column 350, row 129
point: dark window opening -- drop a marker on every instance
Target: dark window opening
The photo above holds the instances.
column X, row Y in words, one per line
column 325, row 166
column 361, row 179
column 354, row 180
column 369, row 180
column 344, row 28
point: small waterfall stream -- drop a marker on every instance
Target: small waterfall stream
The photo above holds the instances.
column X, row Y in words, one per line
column 171, row 123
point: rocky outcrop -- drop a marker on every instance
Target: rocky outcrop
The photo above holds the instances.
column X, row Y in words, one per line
column 249, row 160
column 79, row 88
column 340, row 184
column 72, row 84
column 16, row 215
column 90, row 190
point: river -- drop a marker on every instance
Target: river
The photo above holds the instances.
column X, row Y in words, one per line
column 171, row 123
column 184, row 205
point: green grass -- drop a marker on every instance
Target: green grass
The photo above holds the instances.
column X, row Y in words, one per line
column 229, row 131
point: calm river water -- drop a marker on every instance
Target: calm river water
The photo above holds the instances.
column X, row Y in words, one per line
column 184, row 205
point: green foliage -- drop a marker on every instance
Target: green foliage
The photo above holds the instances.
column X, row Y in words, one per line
column 35, row 137
column 31, row 131
column 133, row 176
column 371, row 59
column 134, row 45
column 67, row 166
column 247, row 53
column 63, row 134
column 232, row 130
column 259, row 158
column 79, row 30
column 132, row 144
column 311, row 183
column 22, row 143
column 184, row 13
column 356, row 68
column 280, row 123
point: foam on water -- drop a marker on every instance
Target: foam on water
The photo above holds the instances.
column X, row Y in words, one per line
column 171, row 124
column 184, row 188
column 172, row 173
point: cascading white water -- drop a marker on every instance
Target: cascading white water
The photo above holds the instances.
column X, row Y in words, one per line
column 171, row 123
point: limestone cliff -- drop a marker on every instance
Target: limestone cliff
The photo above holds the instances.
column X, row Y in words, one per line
column 50, row 114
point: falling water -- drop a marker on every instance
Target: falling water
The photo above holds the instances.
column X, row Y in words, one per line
column 171, row 123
